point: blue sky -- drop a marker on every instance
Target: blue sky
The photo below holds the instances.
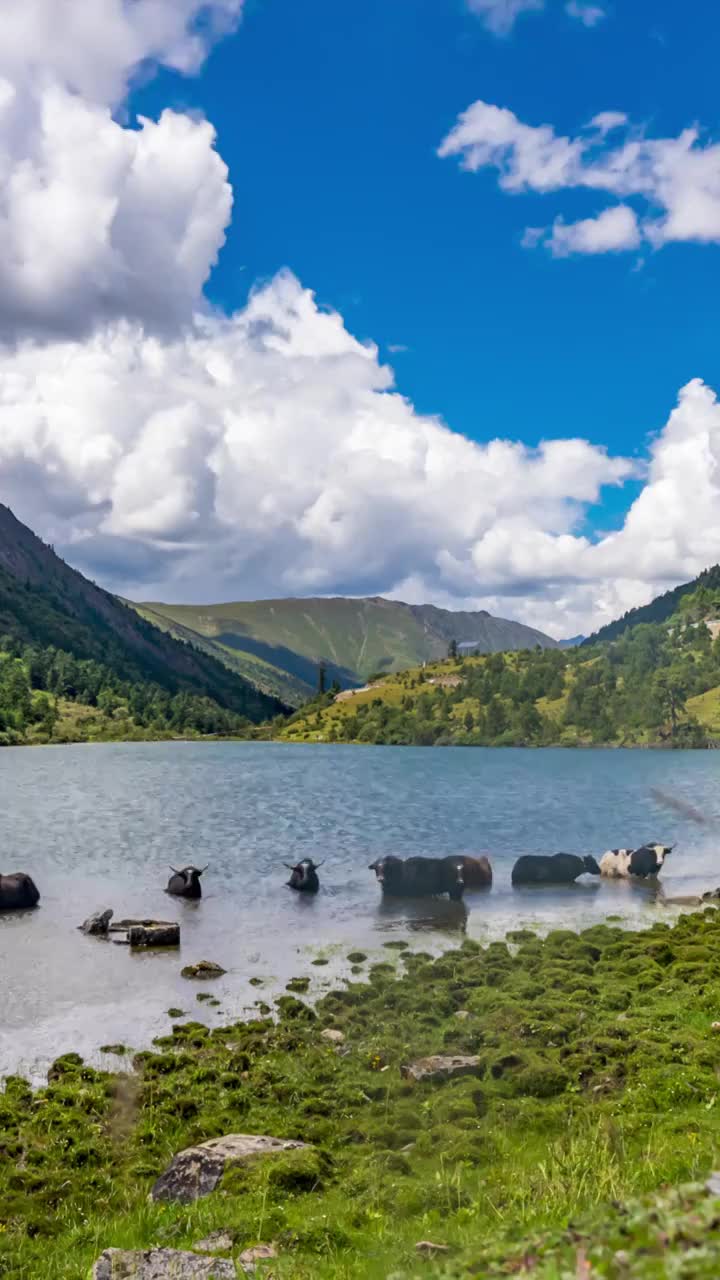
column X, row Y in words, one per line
column 329, row 116
column 413, row 298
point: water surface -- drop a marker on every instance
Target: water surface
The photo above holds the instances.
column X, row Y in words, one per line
column 98, row 826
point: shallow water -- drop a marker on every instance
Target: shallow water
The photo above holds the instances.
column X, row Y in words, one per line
column 97, row 826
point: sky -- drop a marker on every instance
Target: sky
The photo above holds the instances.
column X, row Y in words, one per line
column 406, row 297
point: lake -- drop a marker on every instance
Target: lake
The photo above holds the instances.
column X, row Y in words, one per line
column 98, row 826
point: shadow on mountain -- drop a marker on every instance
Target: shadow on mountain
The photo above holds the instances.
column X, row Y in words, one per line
column 305, row 669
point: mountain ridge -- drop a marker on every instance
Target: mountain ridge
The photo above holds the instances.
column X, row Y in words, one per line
column 283, row 641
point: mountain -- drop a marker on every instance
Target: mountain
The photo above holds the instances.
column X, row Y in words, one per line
column 572, row 642
column 47, row 605
column 279, row 644
column 659, row 609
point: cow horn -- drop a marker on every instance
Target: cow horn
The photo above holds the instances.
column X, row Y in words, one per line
column 175, row 871
column 202, row 870
column 289, row 866
column 319, row 864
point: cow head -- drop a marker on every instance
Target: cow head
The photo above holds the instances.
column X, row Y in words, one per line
column 591, row 865
column 303, row 875
column 191, row 876
column 661, row 851
column 386, row 869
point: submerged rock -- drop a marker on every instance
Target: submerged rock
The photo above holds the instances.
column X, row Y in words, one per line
column 160, row 1264
column 204, row 969
column 439, row 1067
column 197, row 1171
column 98, row 924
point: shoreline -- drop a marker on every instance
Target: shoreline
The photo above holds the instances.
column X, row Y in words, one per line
column 591, row 1076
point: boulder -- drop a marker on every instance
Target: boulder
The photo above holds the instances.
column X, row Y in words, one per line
column 439, row 1067
column 147, row 933
column 203, row 969
column 98, row 924
column 161, row 1264
column 216, row 1242
column 335, row 1037
column 197, row 1171
column 260, row 1253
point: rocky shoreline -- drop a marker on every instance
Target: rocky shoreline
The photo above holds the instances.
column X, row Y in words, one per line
column 494, row 1111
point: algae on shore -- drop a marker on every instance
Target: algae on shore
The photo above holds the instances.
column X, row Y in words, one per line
column 599, row 1081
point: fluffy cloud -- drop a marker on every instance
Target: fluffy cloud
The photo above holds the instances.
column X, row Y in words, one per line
column 677, row 179
column 613, row 230
column 267, row 453
column 589, row 14
column 98, row 220
column 500, row 16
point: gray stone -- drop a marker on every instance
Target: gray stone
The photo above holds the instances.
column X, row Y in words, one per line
column 462, row 1015
column 713, row 1184
column 98, row 924
column 197, row 1171
column 439, row 1067
column 216, row 1242
column 260, row 1253
column 429, row 1250
column 160, row 1264
column 335, row 1037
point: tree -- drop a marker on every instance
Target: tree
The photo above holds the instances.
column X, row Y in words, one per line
column 322, row 678
column 670, row 687
column 453, row 650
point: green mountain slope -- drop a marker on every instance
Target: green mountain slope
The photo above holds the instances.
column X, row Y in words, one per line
column 659, row 609
column 47, row 605
column 656, row 684
column 279, row 643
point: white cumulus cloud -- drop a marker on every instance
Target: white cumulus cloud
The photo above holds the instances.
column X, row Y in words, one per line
column 677, row 179
column 268, row 453
column 613, row 230
column 99, row 219
column 500, row 16
column 589, row 14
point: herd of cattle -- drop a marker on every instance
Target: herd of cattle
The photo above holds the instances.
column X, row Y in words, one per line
column 412, row 877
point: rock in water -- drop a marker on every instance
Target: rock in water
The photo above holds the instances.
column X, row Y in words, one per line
column 441, row 1068
column 160, row 933
column 204, row 969
column 197, row 1171
column 161, row 1264
column 98, row 924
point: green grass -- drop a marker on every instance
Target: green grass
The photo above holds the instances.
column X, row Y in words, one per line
column 599, row 1083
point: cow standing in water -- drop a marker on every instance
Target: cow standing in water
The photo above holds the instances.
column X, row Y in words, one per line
column 557, row 868
column 430, row 877
column 186, row 883
column 304, row 876
column 18, row 892
column 622, row 864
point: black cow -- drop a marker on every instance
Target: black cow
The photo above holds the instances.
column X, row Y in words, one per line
column 558, row 868
column 304, row 876
column 18, row 892
column 186, row 883
column 420, row 877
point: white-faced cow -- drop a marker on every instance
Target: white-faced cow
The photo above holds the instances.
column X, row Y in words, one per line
column 556, row 868
column 647, row 860
column 304, row 876
column 18, row 892
column 186, row 883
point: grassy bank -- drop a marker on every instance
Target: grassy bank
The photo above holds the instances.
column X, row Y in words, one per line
column 598, row 1083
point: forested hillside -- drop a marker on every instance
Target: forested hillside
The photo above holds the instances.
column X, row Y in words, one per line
column 657, row 684
column 65, row 641
column 659, row 609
